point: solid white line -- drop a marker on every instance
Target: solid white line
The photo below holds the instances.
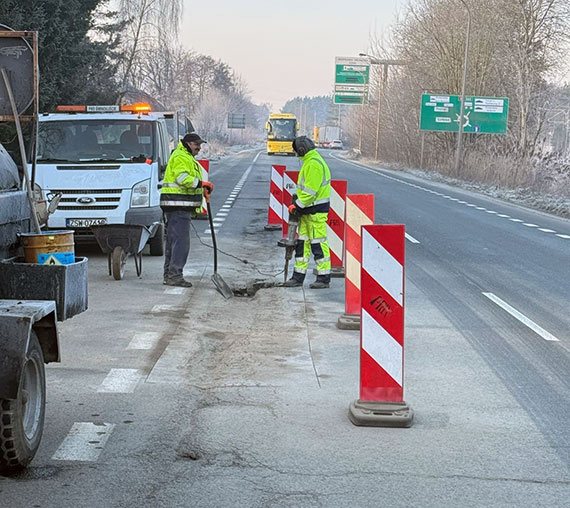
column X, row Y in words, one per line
column 566, row 237
column 120, row 381
column 145, row 340
column 545, row 230
column 411, row 238
column 521, row 317
column 530, row 225
column 85, row 442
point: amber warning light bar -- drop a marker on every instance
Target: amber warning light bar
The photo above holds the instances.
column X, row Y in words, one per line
column 114, row 108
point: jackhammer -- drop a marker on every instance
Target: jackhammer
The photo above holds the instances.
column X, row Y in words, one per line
column 290, row 241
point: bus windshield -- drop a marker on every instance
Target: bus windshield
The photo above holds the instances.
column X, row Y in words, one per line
column 95, row 140
column 282, row 129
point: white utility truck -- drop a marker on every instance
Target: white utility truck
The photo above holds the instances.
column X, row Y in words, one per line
column 107, row 162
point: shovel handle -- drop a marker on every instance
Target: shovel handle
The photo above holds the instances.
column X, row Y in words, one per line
column 207, row 194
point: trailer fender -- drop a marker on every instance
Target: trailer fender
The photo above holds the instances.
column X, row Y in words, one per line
column 17, row 319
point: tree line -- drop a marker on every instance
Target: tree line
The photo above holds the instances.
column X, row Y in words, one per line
column 518, row 49
column 98, row 52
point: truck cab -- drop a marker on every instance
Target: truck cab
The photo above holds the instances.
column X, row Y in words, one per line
column 106, row 162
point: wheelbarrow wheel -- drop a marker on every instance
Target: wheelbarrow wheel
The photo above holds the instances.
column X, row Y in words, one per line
column 118, row 262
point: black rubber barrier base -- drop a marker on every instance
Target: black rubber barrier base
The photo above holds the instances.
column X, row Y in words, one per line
column 380, row 414
column 349, row 322
column 272, row 227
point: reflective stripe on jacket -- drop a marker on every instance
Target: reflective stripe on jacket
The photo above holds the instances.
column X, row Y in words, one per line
column 314, row 184
column 182, row 184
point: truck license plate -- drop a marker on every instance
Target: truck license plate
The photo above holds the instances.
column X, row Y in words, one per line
column 84, row 223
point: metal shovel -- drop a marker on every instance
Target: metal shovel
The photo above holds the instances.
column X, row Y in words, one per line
column 220, row 283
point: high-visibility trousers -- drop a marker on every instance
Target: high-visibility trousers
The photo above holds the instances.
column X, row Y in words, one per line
column 312, row 238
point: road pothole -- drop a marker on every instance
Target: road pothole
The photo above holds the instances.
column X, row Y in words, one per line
column 251, row 288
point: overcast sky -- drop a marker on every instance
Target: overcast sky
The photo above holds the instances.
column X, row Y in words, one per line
column 284, row 48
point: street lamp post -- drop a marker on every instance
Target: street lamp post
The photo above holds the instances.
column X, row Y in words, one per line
column 382, row 76
column 462, row 109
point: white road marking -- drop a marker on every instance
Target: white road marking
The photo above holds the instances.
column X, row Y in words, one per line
column 491, row 211
column 479, row 208
column 218, row 219
column 411, row 238
column 85, row 442
column 462, row 202
column 175, row 291
column 145, row 340
column 120, row 381
column 470, row 204
column 222, row 214
column 226, row 206
column 504, row 215
column 545, row 230
column 566, row 237
column 515, row 220
column 521, row 317
column 163, row 308
column 530, row 225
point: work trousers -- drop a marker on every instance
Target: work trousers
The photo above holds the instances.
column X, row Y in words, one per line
column 312, row 238
column 177, row 243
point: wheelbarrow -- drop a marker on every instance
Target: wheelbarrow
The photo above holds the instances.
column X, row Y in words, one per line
column 119, row 241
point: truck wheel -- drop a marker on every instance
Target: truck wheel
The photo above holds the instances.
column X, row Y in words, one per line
column 156, row 243
column 118, row 262
column 22, row 419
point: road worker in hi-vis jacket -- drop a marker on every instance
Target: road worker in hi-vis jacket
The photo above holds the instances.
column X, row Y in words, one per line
column 312, row 203
column 181, row 194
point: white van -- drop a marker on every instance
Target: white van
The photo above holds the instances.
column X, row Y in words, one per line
column 107, row 162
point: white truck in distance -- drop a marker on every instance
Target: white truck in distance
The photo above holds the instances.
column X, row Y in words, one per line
column 328, row 134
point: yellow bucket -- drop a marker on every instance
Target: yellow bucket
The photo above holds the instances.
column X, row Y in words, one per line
column 49, row 247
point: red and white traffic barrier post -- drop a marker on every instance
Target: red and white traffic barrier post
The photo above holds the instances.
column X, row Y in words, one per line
column 359, row 212
column 289, row 188
column 335, row 226
column 381, row 402
column 275, row 213
column 202, row 214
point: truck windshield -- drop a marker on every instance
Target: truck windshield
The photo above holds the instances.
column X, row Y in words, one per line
column 95, row 140
column 282, row 129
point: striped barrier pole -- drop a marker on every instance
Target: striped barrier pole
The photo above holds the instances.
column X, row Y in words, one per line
column 359, row 212
column 289, row 188
column 202, row 214
column 335, row 226
column 275, row 213
column 381, row 402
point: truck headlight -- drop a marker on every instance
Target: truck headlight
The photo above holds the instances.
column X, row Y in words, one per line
column 140, row 195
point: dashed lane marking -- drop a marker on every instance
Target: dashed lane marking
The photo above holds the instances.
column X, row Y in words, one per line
column 546, row 230
column 175, row 291
column 521, row 317
column 145, row 340
column 411, row 238
column 85, row 442
column 120, row 381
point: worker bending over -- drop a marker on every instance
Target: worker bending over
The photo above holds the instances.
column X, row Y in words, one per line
column 312, row 203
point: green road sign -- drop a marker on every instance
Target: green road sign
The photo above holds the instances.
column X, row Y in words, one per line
column 352, row 75
column 484, row 115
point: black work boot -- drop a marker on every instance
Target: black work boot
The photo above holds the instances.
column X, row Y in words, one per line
column 322, row 282
column 295, row 281
column 181, row 283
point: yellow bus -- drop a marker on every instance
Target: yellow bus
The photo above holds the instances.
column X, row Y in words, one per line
column 281, row 131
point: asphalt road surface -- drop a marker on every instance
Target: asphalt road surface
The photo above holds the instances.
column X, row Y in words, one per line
column 170, row 397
